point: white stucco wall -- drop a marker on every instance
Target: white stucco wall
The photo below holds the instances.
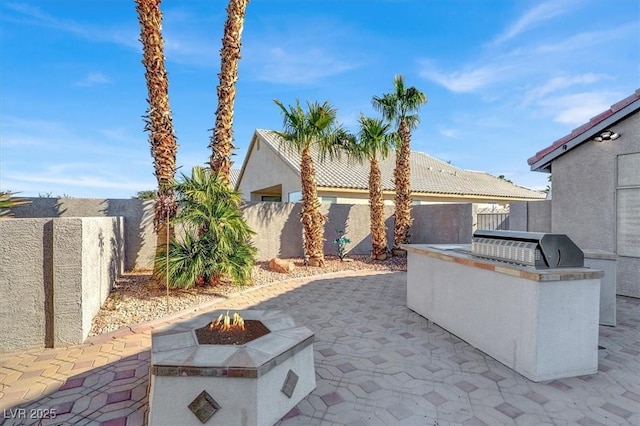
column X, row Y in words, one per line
column 265, row 169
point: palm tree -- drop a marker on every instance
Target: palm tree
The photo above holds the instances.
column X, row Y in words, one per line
column 221, row 143
column 217, row 241
column 401, row 107
column 302, row 131
column 374, row 143
column 8, row 201
column 158, row 122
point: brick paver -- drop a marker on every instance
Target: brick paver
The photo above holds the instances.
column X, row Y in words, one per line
column 377, row 363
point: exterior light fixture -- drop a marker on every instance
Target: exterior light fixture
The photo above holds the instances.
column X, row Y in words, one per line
column 607, row 135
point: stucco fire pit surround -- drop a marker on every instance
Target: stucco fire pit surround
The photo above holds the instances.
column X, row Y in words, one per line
column 255, row 383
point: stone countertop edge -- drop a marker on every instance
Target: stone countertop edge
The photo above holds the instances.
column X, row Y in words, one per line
column 556, row 274
column 159, row 369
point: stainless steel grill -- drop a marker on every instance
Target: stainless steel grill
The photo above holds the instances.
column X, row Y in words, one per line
column 535, row 249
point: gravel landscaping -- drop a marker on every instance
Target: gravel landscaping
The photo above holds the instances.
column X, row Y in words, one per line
column 136, row 298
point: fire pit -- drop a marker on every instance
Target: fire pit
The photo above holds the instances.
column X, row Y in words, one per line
column 208, row 368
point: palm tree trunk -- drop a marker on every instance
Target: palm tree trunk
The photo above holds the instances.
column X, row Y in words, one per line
column 402, row 177
column 221, row 143
column 312, row 219
column 378, row 228
column 159, row 123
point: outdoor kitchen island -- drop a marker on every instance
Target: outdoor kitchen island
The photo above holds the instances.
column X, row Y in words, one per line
column 542, row 323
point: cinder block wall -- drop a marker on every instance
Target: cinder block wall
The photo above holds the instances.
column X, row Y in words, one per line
column 279, row 231
column 55, row 273
column 532, row 216
column 277, row 225
column 138, row 224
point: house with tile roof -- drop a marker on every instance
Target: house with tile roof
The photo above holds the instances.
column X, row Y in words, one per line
column 595, row 176
column 271, row 172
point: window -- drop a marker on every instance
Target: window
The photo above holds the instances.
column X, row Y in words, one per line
column 328, row 200
column 295, row 197
column 628, row 205
column 272, row 198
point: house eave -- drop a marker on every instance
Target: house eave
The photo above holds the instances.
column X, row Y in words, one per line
column 544, row 163
column 363, row 191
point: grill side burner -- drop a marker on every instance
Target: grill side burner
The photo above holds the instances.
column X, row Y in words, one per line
column 536, row 249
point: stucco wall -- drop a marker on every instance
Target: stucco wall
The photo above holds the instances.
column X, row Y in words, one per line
column 138, row 226
column 584, row 197
column 54, row 275
column 271, row 171
column 25, row 284
column 279, row 230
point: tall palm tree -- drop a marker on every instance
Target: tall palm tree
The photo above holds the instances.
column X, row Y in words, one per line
column 221, row 143
column 401, row 107
column 158, row 122
column 374, row 143
column 303, row 130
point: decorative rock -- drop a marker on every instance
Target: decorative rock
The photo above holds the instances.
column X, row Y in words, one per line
column 281, row 266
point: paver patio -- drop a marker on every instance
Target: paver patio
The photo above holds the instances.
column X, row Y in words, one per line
column 377, row 363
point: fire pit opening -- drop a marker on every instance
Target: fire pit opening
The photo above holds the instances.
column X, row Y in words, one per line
column 227, row 331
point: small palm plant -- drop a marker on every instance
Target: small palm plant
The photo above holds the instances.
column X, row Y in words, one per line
column 217, row 240
column 8, row 201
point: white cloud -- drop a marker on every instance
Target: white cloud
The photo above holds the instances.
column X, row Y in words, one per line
column 561, row 82
column 465, row 81
column 286, row 65
column 532, row 18
column 448, row 133
column 93, row 79
column 577, row 109
column 588, row 40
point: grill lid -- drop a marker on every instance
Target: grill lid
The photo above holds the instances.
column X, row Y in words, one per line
column 537, row 249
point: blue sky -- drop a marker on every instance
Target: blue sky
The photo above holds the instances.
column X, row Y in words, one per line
column 504, row 79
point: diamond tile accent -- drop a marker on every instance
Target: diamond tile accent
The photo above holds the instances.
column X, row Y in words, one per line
column 509, row 410
column 618, row 411
column 466, row 386
column 332, row 398
column 492, row 376
column 346, row 367
column 536, row 397
column 289, row 384
column 124, row 374
column 405, row 352
column 377, row 359
column 72, row 383
column 327, row 352
column 64, row 408
column 369, row 386
column 120, row 421
column 435, row 398
column 204, row 406
column 119, row 396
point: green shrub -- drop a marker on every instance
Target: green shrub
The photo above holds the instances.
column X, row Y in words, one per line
column 217, row 242
column 341, row 244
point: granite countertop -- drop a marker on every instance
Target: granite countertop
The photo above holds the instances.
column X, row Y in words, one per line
column 461, row 253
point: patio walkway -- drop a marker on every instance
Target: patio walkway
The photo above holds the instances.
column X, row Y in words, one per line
column 377, row 363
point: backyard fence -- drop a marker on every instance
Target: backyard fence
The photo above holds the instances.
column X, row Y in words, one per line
column 493, row 221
